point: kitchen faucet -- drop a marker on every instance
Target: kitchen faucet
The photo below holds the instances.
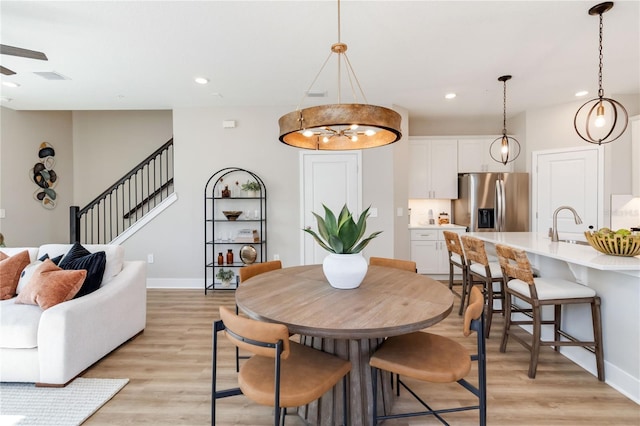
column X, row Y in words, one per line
column 553, row 232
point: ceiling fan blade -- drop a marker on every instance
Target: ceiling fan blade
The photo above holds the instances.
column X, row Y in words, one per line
column 24, row 53
column 6, row 71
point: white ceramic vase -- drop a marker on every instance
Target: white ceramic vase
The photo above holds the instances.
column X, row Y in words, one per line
column 344, row 271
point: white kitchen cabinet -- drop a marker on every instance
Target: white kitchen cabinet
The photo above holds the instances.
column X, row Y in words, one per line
column 433, row 168
column 474, row 156
column 429, row 250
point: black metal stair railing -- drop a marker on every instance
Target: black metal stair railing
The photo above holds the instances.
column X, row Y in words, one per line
column 126, row 201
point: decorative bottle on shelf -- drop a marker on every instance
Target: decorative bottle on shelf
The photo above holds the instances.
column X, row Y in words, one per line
column 229, row 257
column 220, row 259
column 226, row 193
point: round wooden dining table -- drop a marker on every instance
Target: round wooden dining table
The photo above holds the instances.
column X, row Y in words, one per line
column 348, row 323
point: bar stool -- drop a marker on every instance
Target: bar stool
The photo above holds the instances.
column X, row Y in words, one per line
column 456, row 260
column 480, row 270
column 538, row 292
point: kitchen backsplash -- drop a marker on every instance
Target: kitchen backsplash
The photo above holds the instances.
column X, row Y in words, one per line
column 625, row 212
column 419, row 210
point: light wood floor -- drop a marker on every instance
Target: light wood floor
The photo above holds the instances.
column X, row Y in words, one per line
column 169, row 368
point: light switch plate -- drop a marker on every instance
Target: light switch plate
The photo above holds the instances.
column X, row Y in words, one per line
column 373, row 212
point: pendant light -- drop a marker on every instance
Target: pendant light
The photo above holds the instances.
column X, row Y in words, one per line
column 509, row 148
column 340, row 126
column 601, row 120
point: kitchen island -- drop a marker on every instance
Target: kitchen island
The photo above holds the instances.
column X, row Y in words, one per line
column 616, row 280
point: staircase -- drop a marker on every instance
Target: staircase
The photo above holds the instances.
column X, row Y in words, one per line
column 128, row 204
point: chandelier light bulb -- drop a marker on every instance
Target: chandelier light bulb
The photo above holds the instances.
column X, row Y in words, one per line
column 370, row 132
column 353, row 126
column 308, row 133
column 325, row 139
column 354, row 138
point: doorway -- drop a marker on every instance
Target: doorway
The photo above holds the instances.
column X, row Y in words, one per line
column 568, row 177
column 332, row 179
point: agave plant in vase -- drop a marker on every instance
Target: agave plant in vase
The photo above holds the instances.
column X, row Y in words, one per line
column 344, row 239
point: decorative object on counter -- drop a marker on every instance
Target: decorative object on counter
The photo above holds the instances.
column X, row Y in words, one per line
column 344, row 267
column 443, row 218
column 226, row 193
column 509, row 147
column 43, row 175
column 251, row 188
column 604, row 127
column 432, row 221
column 229, row 256
column 220, row 259
column 225, row 276
column 340, row 126
column 619, row 243
column 231, row 215
column 248, row 254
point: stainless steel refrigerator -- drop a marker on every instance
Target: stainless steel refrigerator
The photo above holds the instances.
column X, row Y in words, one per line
column 495, row 202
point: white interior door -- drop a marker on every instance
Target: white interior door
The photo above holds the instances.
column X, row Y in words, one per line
column 570, row 177
column 332, row 179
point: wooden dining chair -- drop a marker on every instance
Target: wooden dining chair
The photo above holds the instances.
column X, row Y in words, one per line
column 406, row 265
column 280, row 373
column 437, row 359
column 456, row 260
column 488, row 274
column 245, row 273
column 521, row 285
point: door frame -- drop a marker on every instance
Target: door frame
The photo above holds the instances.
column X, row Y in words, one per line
column 534, row 180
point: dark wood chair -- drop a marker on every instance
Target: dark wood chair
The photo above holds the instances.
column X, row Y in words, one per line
column 521, row 285
column 436, row 359
column 480, row 270
column 406, row 265
column 245, row 273
column 456, row 260
column 280, row 373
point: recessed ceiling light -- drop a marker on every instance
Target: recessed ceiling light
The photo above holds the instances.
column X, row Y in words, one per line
column 10, row 84
column 582, row 93
column 450, row 95
column 201, row 80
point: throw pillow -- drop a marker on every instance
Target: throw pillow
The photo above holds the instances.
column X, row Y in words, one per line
column 10, row 270
column 55, row 260
column 79, row 257
column 51, row 285
column 27, row 273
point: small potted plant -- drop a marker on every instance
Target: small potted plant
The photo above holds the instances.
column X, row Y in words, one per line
column 343, row 238
column 225, row 276
column 251, row 187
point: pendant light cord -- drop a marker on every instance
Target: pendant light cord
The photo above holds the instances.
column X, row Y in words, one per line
column 600, row 91
column 504, row 109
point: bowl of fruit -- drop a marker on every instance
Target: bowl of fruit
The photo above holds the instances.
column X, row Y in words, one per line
column 617, row 243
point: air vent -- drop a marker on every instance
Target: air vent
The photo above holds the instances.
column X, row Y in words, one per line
column 317, row 94
column 51, row 75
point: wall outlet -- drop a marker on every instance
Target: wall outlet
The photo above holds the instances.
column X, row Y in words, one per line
column 150, row 258
column 276, row 257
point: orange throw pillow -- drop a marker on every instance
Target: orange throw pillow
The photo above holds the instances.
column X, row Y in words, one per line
column 51, row 285
column 10, row 270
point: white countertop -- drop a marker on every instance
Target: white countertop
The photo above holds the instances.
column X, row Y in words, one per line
column 442, row 227
column 541, row 244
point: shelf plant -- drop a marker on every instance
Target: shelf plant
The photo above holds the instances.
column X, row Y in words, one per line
column 251, row 185
column 225, row 275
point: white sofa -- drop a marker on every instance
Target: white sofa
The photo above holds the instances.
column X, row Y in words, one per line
column 53, row 346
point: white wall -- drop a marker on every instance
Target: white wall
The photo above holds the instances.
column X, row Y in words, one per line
column 27, row 223
column 107, row 144
column 552, row 128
